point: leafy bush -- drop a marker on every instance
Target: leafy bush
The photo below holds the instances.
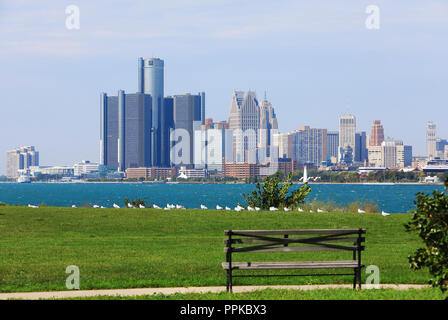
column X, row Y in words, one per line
column 135, row 203
column 2, row 204
column 430, row 220
column 274, row 193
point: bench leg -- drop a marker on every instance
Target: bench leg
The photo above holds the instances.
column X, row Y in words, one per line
column 359, row 278
column 229, row 281
column 355, row 275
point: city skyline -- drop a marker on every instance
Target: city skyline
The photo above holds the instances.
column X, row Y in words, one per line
column 391, row 74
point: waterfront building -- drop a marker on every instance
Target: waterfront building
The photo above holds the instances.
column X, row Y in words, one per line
column 377, row 134
column 241, row 170
column 65, row 171
column 347, row 138
column 187, row 173
column 287, row 165
column 85, row 168
column 150, row 172
column 20, row 158
column 431, row 140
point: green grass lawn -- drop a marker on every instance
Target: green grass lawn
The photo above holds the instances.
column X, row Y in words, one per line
column 275, row 294
column 128, row 248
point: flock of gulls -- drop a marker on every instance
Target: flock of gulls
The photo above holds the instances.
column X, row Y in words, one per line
column 238, row 208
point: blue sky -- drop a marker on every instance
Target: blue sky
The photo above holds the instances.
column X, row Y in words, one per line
column 310, row 56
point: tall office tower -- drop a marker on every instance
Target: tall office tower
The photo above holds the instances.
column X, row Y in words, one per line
column 309, row 145
column 377, row 133
column 347, row 137
column 20, row 159
column 125, row 136
column 244, row 120
column 186, row 115
column 361, row 153
column 333, row 144
column 151, row 81
column 268, row 126
column 253, row 126
column 431, row 140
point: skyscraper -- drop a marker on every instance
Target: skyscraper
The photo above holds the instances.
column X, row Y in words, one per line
column 333, row 144
column 361, row 153
column 309, row 145
column 19, row 159
column 347, row 137
column 377, row 133
column 125, row 136
column 187, row 111
column 253, row 126
column 151, row 81
column 431, row 140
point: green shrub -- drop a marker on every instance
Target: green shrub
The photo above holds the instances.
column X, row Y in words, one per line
column 274, row 193
column 135, row 203
column 430, row 221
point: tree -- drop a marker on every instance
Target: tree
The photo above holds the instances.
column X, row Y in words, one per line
column 430, row 220
column 273, row 193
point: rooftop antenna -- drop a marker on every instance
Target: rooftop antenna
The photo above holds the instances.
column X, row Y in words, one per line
column 265, row 99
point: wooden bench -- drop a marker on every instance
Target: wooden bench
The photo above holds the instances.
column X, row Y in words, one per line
column 294, row 241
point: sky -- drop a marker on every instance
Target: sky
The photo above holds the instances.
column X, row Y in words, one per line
column 315, row 60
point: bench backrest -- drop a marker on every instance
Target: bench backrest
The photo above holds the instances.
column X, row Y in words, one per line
column 294, row 240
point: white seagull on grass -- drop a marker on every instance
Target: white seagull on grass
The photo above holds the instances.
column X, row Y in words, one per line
column 385, row 214
column 203, row 207
column 273, row 209
column 218, row 207
column 361, row 211
column 116, row 206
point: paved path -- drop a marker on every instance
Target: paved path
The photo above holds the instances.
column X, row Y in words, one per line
column 166, row 291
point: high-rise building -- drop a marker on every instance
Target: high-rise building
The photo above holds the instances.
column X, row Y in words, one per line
column 309, row 145
column 125, row 137
column 431, row 140
column 391, row 154
column 187, row 113
column 361, row 153
column 253, row 126
column 151, row 81
column 20, row 159
column 284, row 143
column 347, row 137
column 377, row 133
column 333, row 145
column 441, row 144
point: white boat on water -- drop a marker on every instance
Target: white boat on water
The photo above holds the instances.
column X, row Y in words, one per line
column 24, row 179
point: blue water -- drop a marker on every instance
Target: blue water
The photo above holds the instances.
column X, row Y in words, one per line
column 390, row 198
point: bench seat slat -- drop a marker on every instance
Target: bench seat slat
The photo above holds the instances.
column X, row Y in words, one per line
column 251, row 241
column 299, row 231
column 291, row 265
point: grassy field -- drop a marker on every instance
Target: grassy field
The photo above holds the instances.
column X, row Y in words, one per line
column 128, row 248
column 275, row 294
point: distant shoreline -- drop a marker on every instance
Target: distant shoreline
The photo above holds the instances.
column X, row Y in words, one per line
column 205, row 182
